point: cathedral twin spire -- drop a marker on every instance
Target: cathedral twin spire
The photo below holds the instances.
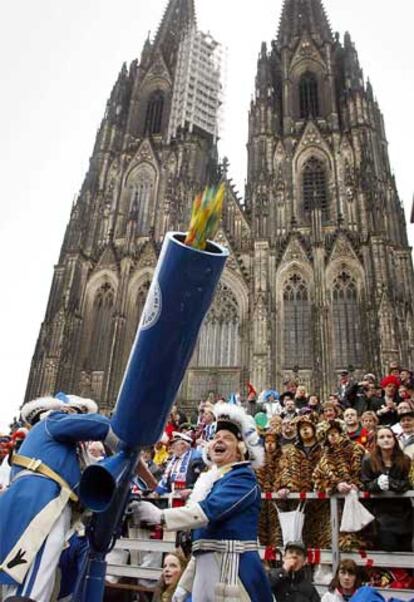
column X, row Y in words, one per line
column 178, row 17
column 303, row 15
column 317, row 242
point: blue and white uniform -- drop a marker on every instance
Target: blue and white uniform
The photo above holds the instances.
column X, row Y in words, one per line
column 34, row 512
column 223, row 512
column 225, row 539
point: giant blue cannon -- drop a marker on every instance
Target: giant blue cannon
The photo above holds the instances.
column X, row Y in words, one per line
column 180, row 295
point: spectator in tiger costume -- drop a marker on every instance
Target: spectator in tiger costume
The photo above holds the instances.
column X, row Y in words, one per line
column 339, row 471
column 268, row 477
column 297, row 468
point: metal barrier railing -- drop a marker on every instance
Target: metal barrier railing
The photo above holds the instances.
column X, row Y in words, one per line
column 365, row 558
column 333, row 556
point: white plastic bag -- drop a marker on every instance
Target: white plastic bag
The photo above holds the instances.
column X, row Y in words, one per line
column 323, row 574
column 291, row 524
column 355, row 516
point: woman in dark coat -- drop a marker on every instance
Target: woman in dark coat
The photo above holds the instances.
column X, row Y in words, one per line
column 387, row 469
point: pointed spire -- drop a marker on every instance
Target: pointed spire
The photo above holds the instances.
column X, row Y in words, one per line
column 117, row 105
column 370, row 91
column 354, row 77
column 263, row 77
column 299, row 16
column 146, row 50
column 178, row 17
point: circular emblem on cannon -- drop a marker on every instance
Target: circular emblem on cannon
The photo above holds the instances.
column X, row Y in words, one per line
column 153, row 305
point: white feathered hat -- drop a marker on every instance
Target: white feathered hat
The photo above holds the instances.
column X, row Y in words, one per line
column 32, row 410
column 234, row 418
column 80, row 404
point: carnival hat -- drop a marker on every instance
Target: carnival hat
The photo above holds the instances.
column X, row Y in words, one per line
column 31, row 411
column 301, row 420
column 271, row 393
column 324, row 428
column 80, row 404
column 178, row 436
column 336, row 425
column 234, row 419
column 390, row 380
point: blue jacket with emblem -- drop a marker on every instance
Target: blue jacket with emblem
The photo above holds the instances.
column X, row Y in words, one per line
column 53, row 441
column 232, row 508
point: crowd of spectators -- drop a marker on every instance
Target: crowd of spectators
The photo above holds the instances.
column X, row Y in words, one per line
column 360, row 438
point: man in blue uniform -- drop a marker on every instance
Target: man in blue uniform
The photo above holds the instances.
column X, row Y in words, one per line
column 35, row 512
column 223, row 512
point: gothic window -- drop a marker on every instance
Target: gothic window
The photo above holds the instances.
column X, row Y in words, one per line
column 219, row 340
column 308, row 96
column 297, row 323
column 346, row 322
column 101, row 327
column 141, row 189
column 314, row 187
column 155, row 107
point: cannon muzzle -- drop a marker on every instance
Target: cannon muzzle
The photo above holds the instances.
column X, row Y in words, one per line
column 100, row 481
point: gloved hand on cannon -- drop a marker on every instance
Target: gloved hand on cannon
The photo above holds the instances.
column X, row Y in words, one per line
column 146, row 512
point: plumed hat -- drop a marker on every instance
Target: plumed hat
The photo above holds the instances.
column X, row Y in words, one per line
column 80, row 404
column 32, row 410
column 234, row 419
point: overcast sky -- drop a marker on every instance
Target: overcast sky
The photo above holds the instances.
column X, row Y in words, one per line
column 59, row 60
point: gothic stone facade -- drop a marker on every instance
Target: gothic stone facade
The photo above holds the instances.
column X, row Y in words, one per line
column 320, row 275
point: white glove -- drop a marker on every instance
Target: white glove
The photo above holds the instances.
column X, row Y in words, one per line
column 383, row 482
column 180, row 594
column 145, row 512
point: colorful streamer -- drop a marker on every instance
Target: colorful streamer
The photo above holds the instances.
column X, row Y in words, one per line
column 205, row 217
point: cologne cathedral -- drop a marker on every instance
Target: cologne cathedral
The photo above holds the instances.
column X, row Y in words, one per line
column 320, row 274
